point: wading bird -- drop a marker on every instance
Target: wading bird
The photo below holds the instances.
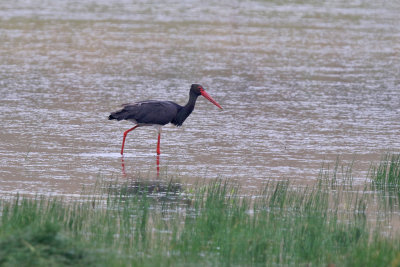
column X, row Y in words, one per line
column 159, row 113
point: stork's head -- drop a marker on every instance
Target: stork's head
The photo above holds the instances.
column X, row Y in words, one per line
column 199, row 90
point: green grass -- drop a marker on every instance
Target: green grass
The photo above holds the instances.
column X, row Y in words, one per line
column 330, row 222
column 386, row 181
column 387, row 173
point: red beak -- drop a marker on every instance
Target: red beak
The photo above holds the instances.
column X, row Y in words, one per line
column 204, row 93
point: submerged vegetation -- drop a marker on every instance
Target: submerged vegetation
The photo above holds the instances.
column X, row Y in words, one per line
column 331, row 223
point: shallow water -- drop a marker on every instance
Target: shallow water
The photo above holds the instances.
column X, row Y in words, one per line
column 301, row 83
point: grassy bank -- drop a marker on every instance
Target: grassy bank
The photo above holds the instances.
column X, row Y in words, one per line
column 329, row 223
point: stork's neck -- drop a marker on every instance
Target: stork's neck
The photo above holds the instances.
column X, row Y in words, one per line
column 186, row 110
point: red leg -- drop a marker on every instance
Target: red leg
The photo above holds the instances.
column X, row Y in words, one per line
column 125, row 133
column 158, row 144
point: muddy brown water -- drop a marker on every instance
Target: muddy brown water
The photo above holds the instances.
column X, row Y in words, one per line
column 301, row 83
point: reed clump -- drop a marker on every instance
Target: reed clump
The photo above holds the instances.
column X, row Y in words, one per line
column 386, row 174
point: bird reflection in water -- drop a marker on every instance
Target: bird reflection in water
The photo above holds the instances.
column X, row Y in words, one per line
column 138, row 186
column 124, row 171
column 123, row 166
column 158, row 165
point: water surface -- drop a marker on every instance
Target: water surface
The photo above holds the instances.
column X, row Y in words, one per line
column 301, row 83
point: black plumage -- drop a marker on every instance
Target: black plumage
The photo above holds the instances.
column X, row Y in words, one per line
column 147, row 112
column 159, row 113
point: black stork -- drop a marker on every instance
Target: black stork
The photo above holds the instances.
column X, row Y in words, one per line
column 159, row 113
